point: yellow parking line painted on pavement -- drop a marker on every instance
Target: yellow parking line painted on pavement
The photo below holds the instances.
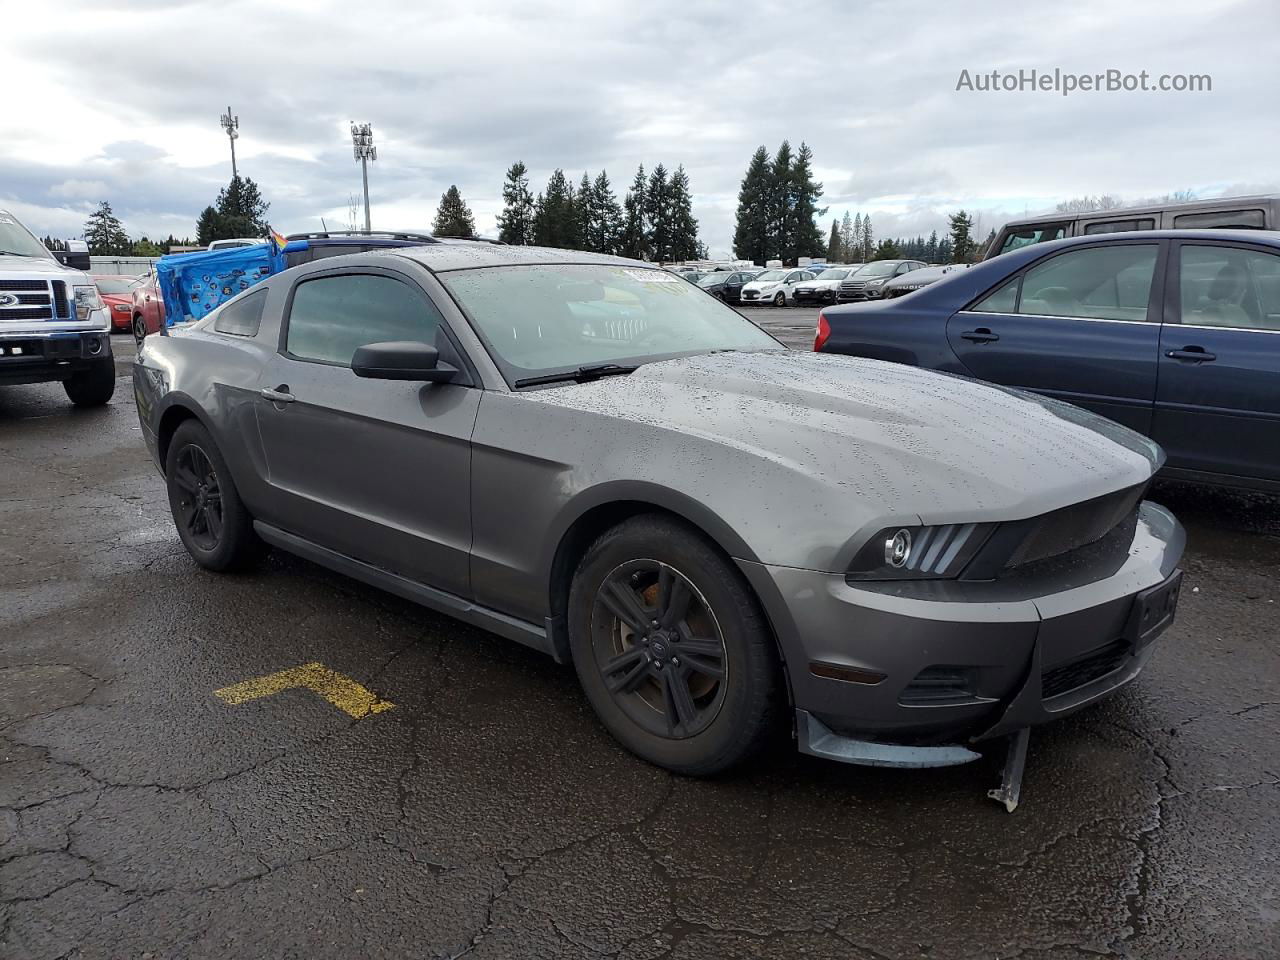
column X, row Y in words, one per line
column 354, row 699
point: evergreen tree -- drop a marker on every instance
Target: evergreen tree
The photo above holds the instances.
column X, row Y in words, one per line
column 586, row 213
column 847, row 244
column 241, row 210
column 658, row 213
column 606, row 217
column 555, row 219
column 805, row 239
column 515, row 223
column 105, row 234
column 962, row 245
column 146, row 248
column 985, row 246
column 635, row 229
column 751, row 232
column 684, row 228
column 453, row 216
column 858, row 249
column 868, row 238
column 886, row 250
column 944, row 250
column 931, row 248
column 834, row 250
column 782, row 214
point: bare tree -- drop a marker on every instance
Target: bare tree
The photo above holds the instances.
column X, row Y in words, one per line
column 1088, row 204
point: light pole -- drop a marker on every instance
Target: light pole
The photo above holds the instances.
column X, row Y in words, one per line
column 232, row 126
column 364, row 150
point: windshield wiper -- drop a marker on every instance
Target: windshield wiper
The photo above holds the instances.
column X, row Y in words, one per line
column 15, row 253
column 580, row 375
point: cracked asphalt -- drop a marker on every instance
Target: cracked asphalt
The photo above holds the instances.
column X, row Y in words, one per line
column 488, row 815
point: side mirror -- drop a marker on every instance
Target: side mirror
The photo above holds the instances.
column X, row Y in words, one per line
column 401, row 360
column 76, row 255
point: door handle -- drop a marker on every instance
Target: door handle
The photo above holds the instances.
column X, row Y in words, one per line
column 981, row 335
column 1194, row 354
column 280, row 394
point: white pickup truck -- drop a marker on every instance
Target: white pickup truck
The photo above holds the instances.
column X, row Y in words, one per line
column 53, row 324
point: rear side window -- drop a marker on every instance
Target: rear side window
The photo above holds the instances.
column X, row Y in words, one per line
column 1221, row 220
column 1119, row 226
column 242, row 317
column 1230, row 287
column 1039, row 233
column 1099, row 283
column 332, row 316
column 1004, row 300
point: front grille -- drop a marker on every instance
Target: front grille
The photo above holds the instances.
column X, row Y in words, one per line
column 749, row 294
column 13, row 285
column 1071, row 527
column 26, row 313
column 60, row 299
column 34, row 299
column 1076, row 673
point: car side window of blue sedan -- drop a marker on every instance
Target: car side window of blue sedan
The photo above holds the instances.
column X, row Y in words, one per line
column 331, row 317
column 1097, row 283
column 1228, row 287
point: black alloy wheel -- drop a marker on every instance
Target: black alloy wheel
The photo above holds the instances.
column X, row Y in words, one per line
column 199, row 507
column 659, row 649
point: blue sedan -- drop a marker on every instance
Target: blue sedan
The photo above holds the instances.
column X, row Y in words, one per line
column 1175, row 333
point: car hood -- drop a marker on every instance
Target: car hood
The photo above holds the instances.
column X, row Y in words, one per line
column 892, row 439
column 40, row 265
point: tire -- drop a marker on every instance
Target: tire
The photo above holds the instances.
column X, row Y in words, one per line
column 720, row 650
column 212, row 520
column 93, row 386
column 780, row 300
column 139, row 329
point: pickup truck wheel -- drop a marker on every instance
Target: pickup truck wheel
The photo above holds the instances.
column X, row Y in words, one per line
column 672, row 649
column 93, row 386
column 139, row 329
column 211, row 518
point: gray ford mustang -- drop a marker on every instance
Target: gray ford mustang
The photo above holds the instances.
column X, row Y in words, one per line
column 590, row 456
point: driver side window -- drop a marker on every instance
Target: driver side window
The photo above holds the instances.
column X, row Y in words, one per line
column 330, row 317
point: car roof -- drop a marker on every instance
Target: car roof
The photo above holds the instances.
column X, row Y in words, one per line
column 443, row 257
column 1268, row 237
column 1128, row 213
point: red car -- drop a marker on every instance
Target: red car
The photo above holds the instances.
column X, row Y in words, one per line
column 117, row 293
column 148, row 307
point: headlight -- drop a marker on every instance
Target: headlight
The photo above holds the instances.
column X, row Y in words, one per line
column 121, row 308
column 919, row 553
column 87, row 301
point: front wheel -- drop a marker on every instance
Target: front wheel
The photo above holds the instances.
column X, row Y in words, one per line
column 672, row 649
column 211, row 519
column 93, row 386
column 139, row 329
column 780, row 300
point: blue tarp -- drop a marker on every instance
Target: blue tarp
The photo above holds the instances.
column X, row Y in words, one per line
column 193, row 284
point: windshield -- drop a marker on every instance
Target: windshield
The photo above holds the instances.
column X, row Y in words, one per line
column 115, row 285
column 881, row 268
column 551, row 318
column 15, row 240
column 769, row 276
column 711, row 279
column 836, row 274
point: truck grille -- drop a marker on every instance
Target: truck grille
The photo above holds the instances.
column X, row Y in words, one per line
column 34, row 300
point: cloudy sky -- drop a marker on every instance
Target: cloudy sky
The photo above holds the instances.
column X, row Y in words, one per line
column 120, row 101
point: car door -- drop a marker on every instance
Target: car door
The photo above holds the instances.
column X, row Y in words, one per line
column 1218, row 401
column 1081, row 325
column 733, row 286
column 378, row 470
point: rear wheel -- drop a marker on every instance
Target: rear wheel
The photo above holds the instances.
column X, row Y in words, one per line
column 780, row 300
column 139, row 329
column 93, row 386
column 211, row 519
column 671, row 648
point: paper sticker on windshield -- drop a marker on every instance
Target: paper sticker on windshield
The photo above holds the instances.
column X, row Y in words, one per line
column 652, row 276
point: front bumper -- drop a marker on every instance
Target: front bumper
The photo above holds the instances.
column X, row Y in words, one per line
column 934, row 662
column 814, row 296
column 39, row 358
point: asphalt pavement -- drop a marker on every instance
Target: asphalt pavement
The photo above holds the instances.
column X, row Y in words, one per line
column 290, row 764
